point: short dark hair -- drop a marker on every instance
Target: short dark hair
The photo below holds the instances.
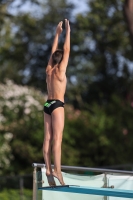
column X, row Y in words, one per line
column 57, row 56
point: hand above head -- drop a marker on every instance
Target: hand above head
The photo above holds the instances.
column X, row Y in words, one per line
column 67, row 25
column 59, row 28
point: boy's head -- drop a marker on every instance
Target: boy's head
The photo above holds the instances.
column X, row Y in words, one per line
column 57, row 56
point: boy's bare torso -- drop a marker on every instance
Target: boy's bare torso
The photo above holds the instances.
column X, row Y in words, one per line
column 56, row 83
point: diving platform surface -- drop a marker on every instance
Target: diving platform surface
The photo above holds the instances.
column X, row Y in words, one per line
column 90, row 190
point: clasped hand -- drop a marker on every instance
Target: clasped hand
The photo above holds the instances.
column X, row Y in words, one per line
column 59, row 28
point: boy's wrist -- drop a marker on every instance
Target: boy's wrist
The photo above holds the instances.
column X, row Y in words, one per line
column 57, row 33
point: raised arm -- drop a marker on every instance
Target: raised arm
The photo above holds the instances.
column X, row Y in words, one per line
column 55, row 42
column 66, row 48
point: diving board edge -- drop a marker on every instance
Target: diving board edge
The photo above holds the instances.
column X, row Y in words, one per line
column 90, row 190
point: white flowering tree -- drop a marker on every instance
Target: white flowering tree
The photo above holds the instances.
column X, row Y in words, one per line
column 21, row 126
column 86, row 135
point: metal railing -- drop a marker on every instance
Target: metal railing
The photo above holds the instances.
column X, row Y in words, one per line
column 74, row 168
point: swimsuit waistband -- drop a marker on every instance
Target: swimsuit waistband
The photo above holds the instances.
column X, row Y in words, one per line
column 49, row 100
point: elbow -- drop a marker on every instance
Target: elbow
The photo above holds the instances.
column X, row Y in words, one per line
column 66, row 49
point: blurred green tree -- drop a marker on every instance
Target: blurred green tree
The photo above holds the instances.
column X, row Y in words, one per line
column 105, row 49
column 101, row 138
column 27, row 40
column 100, row 84
column 101, row 50
column 95, row 138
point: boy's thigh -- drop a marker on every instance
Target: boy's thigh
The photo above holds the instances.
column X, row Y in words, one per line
column 47, row 125
column 58, row 119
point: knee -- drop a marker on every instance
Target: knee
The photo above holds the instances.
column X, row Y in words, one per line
column 47, row 138
column 47, row 143
column 57, row 138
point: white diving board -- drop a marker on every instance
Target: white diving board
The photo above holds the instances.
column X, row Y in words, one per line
column 91, row 190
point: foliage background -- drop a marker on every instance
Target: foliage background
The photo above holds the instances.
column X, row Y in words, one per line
column 99, row 97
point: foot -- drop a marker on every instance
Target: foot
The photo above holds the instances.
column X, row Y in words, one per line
column 50, row 179
column 59, row 177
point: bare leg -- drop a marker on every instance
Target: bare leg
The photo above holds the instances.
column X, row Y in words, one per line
column 57, row 127
column 47, row 148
